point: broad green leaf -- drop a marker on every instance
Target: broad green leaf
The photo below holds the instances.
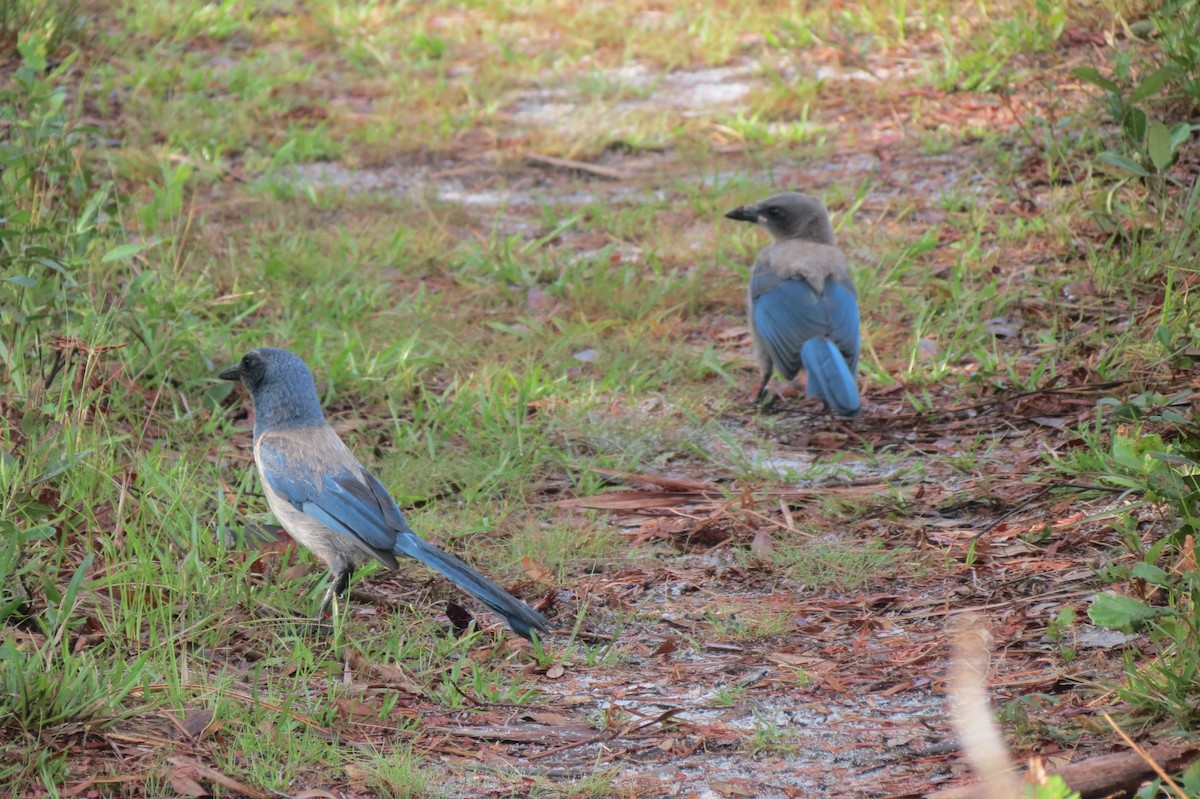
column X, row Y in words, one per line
column 1135, row 125
column 87, row 219
column 1119, row 612
column 1153, row 84
column 1191, row 778
column 1126, row 453
column 1158, row 143
column 123, row 251
column 1093, row 76
column 1180, row 133
column 1184, row 463
column 1155, row 575
column 1128, row 164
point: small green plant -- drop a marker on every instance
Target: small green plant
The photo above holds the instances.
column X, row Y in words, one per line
column 727, row 695
column 1152, row 145
column 1178, row 24
column 52, row 21
column 1188, row 781
column 466, row 683
column 1055, row 787
column 749, row 624
column 843, row 565
column 1059, row 632
column 1016, row 714
column 1164, row 468
column 396, row 773
column 1169, row 684
column 52, row 691
column 49, row 207
column 771, row 738
column 598, row 784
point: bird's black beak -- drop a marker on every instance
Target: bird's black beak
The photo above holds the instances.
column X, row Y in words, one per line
column 231, row 373
column 743, row 213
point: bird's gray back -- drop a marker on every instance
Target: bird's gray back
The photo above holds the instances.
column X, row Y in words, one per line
column 319, row 447
column 792, row 258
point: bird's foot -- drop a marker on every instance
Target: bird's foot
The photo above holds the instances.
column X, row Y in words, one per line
column 321, row 625
column 764, row 399
column 791, row 389
column 771, row 393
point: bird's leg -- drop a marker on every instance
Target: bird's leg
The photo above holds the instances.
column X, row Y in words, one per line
column 337, row 586
column 762, row 388
column 764, row 397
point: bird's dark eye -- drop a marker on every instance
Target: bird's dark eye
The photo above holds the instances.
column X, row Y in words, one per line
column 773, row 212
column 246, row 362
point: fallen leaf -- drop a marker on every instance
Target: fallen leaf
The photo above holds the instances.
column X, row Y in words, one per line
column 182, row 782
column 294, row 572
column 358, row 775
column 197, row 724
column 351, row 709
column 191, row 770
column 828, row 440
column 1056, row 423
column 307, row 112
column 762, row 545
column 536, row 571
column 546, row 718
column 1002, row 328
column 792, row 660
column 734, row 786
column 666, row 647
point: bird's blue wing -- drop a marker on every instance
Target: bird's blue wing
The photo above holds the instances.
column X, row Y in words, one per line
column 338, row 492
column 312, row 469
column 788, row 312
column 842, row 303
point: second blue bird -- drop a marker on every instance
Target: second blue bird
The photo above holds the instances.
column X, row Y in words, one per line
column 328, row 501
column 803, row 307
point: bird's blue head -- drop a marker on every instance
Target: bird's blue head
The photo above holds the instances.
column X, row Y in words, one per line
column 282, row 388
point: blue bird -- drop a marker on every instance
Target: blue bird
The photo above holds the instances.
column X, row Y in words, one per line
column 328, row 501
column 803, row 307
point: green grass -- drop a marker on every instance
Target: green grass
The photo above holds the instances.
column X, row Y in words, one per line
column 487, row 333
column 840, row 567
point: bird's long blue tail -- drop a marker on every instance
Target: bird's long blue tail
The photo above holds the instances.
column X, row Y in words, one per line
column 829, row 376
column 520, row 617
